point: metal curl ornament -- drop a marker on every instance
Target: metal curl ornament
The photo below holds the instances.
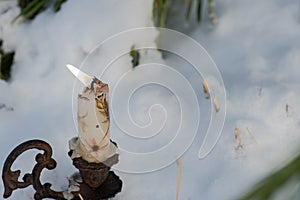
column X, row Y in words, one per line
column 98, row 182
column 10, row 178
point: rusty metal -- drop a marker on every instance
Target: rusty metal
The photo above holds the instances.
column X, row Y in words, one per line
column 99, row 183
column 10, row 178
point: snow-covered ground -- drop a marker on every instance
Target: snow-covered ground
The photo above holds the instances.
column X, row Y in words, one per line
column 255, row 45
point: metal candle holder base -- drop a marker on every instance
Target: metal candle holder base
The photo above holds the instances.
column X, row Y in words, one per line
column 98, row 182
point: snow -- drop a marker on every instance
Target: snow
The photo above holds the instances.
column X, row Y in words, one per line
column 254, row 44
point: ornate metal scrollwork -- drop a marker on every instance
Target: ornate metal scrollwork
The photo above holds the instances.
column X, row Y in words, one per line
column 98, row 181
column 10, row 178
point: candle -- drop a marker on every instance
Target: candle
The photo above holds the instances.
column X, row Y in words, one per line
column 93, row 142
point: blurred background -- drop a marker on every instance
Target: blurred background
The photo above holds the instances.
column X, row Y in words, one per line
column 254, row 44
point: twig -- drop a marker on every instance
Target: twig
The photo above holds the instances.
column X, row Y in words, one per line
column 179, row 164
column 81, row 198
column 205, row 89
column 251, row 135
column 211, row 11
column 237, row 136
column 216, row 104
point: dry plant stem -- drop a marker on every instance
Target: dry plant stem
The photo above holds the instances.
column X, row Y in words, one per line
column 81, row 198
column 251, row 135
column 237, row 135
column 216, row 104
column 211, row 11
column 205, row 89
column 179, row 164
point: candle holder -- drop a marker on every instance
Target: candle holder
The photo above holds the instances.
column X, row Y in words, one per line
column 94, row 181
column 93, row 153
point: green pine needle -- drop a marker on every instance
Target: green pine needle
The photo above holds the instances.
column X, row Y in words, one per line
column 34, row 11
column 135, row 55
column 57, row 5
column 34, row 7
column 267, row 187
column 159, row 12
column 25, row 10
column 199, row 11
column 188, row 11
column 6, row 61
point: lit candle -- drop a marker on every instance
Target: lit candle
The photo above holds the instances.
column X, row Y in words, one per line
column 93, row 143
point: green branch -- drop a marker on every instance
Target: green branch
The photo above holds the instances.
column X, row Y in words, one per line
column 267, row 187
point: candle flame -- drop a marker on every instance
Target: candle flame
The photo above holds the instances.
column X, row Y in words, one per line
column 83, row 77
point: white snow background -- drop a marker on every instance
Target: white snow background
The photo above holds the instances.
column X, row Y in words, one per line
column 255, row 44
